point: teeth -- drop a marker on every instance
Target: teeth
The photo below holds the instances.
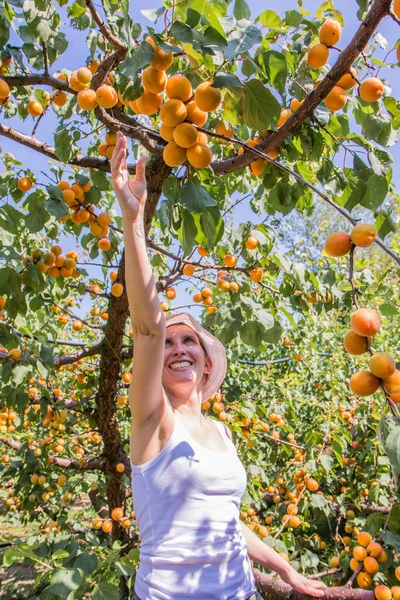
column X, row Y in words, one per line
column 180, row 365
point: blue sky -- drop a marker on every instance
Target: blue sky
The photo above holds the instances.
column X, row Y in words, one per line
column 75, row 56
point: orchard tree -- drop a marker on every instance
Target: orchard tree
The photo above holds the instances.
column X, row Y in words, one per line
column 275, row 111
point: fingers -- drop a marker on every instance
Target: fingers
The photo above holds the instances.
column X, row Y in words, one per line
column 141, row 169
column 119, row 152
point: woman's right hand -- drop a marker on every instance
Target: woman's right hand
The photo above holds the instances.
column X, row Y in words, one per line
column 131, row 192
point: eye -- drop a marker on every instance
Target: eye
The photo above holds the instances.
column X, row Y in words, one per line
column 189, row 338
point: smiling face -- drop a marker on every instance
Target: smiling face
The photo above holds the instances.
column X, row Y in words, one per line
column 182, row 345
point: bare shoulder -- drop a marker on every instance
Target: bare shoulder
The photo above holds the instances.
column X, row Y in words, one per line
column 148, row 439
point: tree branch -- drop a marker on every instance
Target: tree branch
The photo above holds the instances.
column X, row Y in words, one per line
column 108, row 34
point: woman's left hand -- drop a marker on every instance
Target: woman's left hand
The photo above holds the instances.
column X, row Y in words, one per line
column 304, row 585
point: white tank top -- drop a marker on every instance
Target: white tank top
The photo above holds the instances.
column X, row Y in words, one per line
column 187, row 502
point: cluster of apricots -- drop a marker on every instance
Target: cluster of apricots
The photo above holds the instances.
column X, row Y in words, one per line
column 216, row 404
column 7, row 416
column 117, row 515
column 257, row 166
column 365, row 323
column 107, row 147
column 370, row 90
column 53, row 263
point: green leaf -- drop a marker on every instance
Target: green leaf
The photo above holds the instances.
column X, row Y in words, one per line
column 105, row 591
column 64, row 581
column 36, row 220
column 293, row 18
column 380, row 160
column 64, row 145
column 269, row 18
column 377, row 128
column 392, row 448
column 393, row 107
column 241, row 10
column 187, row 233
column 252, row 334
column 87, row 562
column 261, row 109
column 139, row 57
column 195, row 197
column 377, row 189
column 276, row 69
column 10, row 556
column 224, row 80
column 385, row 223
column 212, row 18
column 241, row 40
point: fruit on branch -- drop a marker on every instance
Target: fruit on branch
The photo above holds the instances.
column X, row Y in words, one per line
column 363, row 235
column 84, row 75
column 395, row 394
column 161, row 61
column 348, row 80
column 383, row 592
column 75, row 84
column 185, row 135
column 202, row 251
column 87, row 99
column 355, row 344
column 285, row 114
column 60, row 98
column 382, row 365
column 330, row 32
column 338, row 244
column 295, row 104
column 392, row 382
column 199, row 156
column 207, row 97
column 251, row 243
column 371, row 89
column 318, row 56
column 364, row 580
column 153, row 80
column 364, row 383
column 173, row 112
column 24, row 184
column 34, row 108
column 174, row 155
column 222, row 130
column 336, row 99
column 166, row 132
column 106, row 96
column 179, row 88
column 4, row 89
column 117, row 290
column 256, row 275
column 148, row 103
column 365, row 322
column 188, row 270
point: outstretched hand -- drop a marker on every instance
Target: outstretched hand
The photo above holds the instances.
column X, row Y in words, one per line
column 304, row 585
column 131, row 192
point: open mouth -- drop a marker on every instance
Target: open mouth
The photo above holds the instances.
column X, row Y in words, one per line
column 181, row 365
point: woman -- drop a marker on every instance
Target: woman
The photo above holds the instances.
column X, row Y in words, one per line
column 187, row 479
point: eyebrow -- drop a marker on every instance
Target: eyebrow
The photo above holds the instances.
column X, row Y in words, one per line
column 189, row 335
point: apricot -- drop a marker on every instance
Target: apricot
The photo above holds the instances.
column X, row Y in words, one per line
column 312, row 485
column 355, row 344
column 364, row 538
column 256, row 275
column 397, row 573
column 117, row 290
column 153, row 80
column 222, row 130
column 371, row 89
column 110, row 139
column 202, row 138
column 60, row 98
column 167, row 132
column 148, row 103
column 336, row 99
column 104, row 244
column 383, row 557
column 383, row 592
column 330, row 32
column 295, row 103
column 348, row 80
column 374, row 549
column 161, row 60
column 338, row 244
column 202, row 251
column 179, row 88
column 395, row 394
column 207, row 97
column 363, row 383
column 318, row 56
column 392, row 382
column 173, row 112
column 87, row 99
column 34, row 108
column 395, row 589
column 354, row 564
column 106, row 96
column 365, row 321
column 107, row 526
column 371, row 565
column 229, row 260
column 4, row 89
column 110, row 152
column 396, row 8
column 185, row 135
column 174, row 155
column 359, row 553
column 364, row 580
column 199, row 156
column 84, row 75
column 285, row 114
column 363, row 235
column 257, row 166
column 24, row 184
column 188, row 270
column 334, row 562
column 251, row 243
column 382, row 365
column 117, row 513
column 195, row 115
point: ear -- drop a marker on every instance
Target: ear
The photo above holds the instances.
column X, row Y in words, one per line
column 208, row 365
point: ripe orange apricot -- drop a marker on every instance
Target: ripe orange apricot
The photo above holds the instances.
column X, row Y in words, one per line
column 374, row 549
column 395, row 394
column 207, row 97
column 87, row 99
column 354, row 564
column 170, row 293
column 4, row 89
column 338, row 244
column 382, row 365
column 198, row 298
column 257, row 167
column 371, row 89
column 355, row 344
column 179, row 88
column 383, row 592
column 392, row 382
column 153, row 80
column 117, row 290
column 107, row 526
column 174, row 155
column 348, row 80
column 84, row 75
column 371, row 565
column 202, row 251
column 167, row 132
column 117, row 513
column 318, row 56
column 229, row 260
column 256, row 275
column 188, row 270
column 312, row 485
column 195, row 115
column 330, row 32
column 185, row 135
column 395, row 589
column 104, row 244
column 396, row 8
column 285, row 114
column 34, row 108
column 295, row 103
column 199, row 156
column 363, row 235
column 364, row 538
column 336, row 99
column 383, row 557
column 222, row 130
column 251, row 243
column 334, row 562
column 60, row 98
column 160, row 61
column 364, row 580
column 365, row 321
column 106, row 96
column 24, row 184
column 363, row 383
column 173, row 112
column 148, row 103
